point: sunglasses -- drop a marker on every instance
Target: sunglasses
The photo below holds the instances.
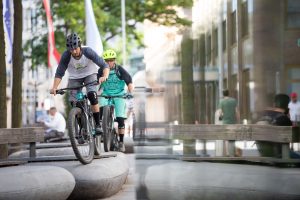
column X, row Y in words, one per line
column 110, row 60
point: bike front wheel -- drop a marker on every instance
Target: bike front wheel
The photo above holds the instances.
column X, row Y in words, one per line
column 107, row 125
column 114, row 146
column 98, row 139
column 81, row 140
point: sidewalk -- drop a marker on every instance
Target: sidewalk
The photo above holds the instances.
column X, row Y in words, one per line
column 127, row 191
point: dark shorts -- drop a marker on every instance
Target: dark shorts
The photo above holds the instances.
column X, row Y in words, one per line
column 79, row 82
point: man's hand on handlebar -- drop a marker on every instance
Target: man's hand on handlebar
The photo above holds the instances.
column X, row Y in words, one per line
column 53, row 91
column 102, row 79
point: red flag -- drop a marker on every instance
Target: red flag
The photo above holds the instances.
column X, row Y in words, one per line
column 53, row 55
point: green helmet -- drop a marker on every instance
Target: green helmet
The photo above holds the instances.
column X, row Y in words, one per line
column 109, row 54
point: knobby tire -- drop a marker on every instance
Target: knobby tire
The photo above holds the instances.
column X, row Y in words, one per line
column 107, row 125
column 114, row 141
column 73, row 127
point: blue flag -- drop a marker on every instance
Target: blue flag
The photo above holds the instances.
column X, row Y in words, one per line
column 7, row 29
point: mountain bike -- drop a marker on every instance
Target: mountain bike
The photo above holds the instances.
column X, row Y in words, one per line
column 81, row 126
column 110, row 135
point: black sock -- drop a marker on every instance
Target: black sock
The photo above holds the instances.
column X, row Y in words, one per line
column 97, row 118
column 121, row 137
column 101, row 112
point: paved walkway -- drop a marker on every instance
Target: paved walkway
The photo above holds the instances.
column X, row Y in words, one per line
column 127, row 191
column 175, row 179
column 155, row 179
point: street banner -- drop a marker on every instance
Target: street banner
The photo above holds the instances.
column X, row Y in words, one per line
column 53, row 54
column 93, row 38
column 7, row 30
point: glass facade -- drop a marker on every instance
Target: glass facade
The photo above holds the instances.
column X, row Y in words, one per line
column 293, row 14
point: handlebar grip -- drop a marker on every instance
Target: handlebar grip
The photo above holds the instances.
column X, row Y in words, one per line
column 128, row 96
column 60, row 92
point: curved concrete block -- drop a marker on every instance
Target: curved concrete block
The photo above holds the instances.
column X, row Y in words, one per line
column 102, row 178
column 44, row 152
column 35, row 182
column 129, row 145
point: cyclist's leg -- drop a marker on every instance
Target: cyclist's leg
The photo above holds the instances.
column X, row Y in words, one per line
column 120, row 108
column 92, row 96
column 121, row 131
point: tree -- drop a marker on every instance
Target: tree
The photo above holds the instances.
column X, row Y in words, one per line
column 70, row 16
column 188, row 104
column 17, row 66
column 3, row 116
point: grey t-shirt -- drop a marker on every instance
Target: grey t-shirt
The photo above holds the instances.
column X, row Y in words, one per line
column 81, row 68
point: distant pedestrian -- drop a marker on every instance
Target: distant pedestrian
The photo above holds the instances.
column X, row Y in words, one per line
column 294, row 109
column 229, row 109
column 229, row 115
column 56, row 125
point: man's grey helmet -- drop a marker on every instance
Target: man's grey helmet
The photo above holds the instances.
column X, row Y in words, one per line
column 73, row 41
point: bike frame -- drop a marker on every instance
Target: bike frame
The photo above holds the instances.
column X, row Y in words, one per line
column 85, row 107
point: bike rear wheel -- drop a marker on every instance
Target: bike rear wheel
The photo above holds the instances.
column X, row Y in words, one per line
column 97, row 138
column 107, row 125
column 82, row 142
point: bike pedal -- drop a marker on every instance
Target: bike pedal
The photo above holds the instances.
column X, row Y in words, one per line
column 80, row 140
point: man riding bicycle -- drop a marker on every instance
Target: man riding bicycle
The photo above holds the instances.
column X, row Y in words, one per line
column 114, row 86
column 81, row 63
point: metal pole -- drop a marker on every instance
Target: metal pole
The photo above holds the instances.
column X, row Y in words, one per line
column 123, row 32
column 35, row 101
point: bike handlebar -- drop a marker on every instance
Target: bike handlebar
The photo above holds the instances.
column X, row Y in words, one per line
column 62, row 90
column 125, row 96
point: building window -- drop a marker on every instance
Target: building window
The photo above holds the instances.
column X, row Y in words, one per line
column 233, row 28
column 224, row 34
column 215, row 47
column 202, row 51
column 293, row 14
column 208, row 48
column 233, row 5
column 245, row 23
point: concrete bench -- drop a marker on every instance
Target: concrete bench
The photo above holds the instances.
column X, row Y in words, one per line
column 29, row 135
column 284, row 135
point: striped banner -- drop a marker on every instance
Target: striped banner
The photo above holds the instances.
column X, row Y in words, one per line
column 53, row 54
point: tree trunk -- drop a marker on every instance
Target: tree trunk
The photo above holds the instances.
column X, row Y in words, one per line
column 188, row 91
column 17, row 66
column 3, row 108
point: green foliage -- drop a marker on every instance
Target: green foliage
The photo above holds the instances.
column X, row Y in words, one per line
column 69, row 15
